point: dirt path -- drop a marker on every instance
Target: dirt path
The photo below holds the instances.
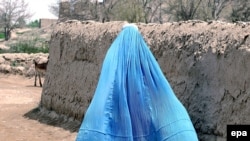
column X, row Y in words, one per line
column 17, row 97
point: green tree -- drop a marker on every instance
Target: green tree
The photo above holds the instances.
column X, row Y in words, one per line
column 33, row 24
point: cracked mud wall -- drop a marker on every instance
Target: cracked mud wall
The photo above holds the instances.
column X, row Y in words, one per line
column 207, row 64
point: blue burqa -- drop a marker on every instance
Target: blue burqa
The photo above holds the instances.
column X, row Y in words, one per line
column 133, row 100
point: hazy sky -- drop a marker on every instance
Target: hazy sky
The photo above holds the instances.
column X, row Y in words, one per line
column 40, row 9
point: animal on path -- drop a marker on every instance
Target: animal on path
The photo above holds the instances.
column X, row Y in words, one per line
column 40, row 69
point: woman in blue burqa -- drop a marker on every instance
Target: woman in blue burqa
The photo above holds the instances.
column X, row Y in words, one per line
column 133, row 100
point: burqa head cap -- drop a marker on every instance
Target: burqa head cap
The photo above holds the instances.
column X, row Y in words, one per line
column 130, row 25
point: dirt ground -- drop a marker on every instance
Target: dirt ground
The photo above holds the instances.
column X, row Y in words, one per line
column 17, row 97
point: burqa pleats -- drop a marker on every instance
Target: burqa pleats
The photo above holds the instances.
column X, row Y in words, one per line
column 133, row 100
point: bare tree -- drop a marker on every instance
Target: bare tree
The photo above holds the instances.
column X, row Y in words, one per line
column 128, row 10
column 106, row 10
column 76, row 9
column 138, row 10
column 211, row 9
column 241, row 11
column 182, row 9
column 152, row 10
column 217, row 7
column 13, row 12
column 54, row 7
